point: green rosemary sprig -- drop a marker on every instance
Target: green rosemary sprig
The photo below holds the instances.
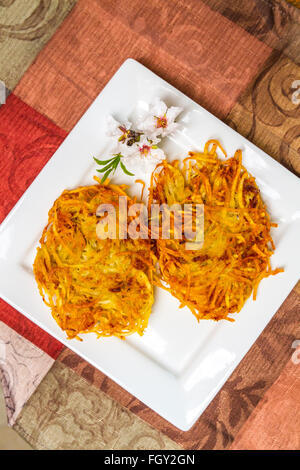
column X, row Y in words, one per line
column 111, row 165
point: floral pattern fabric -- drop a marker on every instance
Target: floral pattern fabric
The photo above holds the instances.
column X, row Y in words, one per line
column 237, row 59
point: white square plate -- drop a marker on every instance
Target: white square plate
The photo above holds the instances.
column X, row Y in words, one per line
column 179, row 365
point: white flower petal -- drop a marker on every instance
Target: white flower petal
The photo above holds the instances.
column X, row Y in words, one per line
column 148, row 124
column 172, row 113
column 159, row 108
column 112, row 126
column 170, row 129
column 145, row 140
column 123, row 149
column 157, row 154
column 154, row 137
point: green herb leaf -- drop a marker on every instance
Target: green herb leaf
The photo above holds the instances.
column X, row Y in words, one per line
column 109, row 166
column 112, row 165
column 115, row 164
column 104, row 177
column 103, row 162
column 125, row 169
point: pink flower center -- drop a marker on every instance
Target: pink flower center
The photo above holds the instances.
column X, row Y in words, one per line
column 144, row 150
column 161, row 121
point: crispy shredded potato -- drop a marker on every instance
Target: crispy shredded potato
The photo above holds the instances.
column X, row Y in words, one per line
column 106, row 286
column 93, row 285
column 215, row 280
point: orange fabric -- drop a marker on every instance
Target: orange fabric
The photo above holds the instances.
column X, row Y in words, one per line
column 275, row 423
column 204, row 55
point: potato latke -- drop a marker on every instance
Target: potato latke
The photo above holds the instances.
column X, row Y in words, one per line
column 215, row 280
column 93, row 285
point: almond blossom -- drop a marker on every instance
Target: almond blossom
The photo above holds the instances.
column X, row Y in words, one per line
column 136, row 145
column 125, row 135
column 159, row 120
column 146, row 155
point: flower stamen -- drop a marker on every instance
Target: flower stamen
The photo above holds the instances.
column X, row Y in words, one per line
column 125, row 134
column 161, row 122
column 144, row 150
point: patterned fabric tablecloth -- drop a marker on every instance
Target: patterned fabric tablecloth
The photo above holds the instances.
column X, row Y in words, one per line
column 238, row 60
